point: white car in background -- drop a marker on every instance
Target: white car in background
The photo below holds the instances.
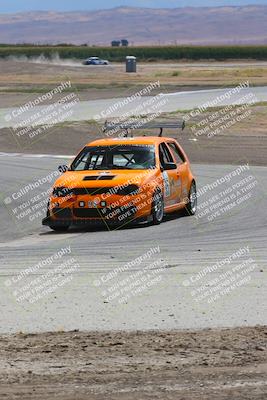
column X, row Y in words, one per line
column 95, row 61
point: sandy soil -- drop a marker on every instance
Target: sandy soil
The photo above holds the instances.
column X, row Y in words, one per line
column 28, row 75
column 214, row 365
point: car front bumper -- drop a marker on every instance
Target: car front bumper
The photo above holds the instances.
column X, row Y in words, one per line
column 81, row 217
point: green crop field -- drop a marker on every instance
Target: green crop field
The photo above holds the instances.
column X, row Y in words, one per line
column 142, row 53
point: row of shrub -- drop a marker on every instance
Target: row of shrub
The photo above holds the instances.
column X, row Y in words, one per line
column 142, row 53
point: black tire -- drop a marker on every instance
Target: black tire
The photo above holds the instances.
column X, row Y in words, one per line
column 59, row 228
column 191, row 206
column 157, row 208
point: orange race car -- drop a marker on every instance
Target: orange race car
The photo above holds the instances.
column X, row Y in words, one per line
column 117, row 181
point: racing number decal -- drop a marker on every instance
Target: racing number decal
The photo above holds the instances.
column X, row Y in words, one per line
column 167, row 186
column 171, row 185
column 171, row 179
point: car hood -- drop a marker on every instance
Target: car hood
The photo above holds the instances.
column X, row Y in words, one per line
column 111, row 178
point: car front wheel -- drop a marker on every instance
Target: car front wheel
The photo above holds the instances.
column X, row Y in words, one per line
column 157, row 208
column 191, row 206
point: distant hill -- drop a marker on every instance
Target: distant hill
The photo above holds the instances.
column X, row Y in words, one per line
column 207, row 25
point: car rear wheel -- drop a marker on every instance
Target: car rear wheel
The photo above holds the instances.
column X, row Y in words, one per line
column 157, row 208
column 63, row 228
column 191, row 206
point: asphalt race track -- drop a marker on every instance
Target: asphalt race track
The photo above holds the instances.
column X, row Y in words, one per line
column 166, row 102
column 233, row 238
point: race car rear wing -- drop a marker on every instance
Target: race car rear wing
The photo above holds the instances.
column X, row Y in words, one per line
column 127, row 126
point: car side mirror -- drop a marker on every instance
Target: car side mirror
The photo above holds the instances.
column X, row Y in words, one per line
column 169, row 166
column 63, row 168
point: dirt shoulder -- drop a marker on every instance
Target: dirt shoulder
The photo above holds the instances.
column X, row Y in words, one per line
column 246, row 142
column 28, row 77
column 188, row 365
column 233, row 150
column 20, row 79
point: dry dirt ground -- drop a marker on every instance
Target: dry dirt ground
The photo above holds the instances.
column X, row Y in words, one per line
column 20, row 77
column 177, row 365
column 244, row 142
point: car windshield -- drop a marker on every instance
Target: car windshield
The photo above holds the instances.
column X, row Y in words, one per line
column 115, row 157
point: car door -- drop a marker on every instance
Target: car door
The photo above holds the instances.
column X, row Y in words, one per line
column 171, row 178
column 182, row 168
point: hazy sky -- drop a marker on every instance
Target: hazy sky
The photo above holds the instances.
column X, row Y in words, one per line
column 69, row 5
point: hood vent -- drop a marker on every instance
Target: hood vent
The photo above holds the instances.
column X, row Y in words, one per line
column 99, row 178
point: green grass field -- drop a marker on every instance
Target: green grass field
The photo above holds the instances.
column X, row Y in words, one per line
column 152, row 54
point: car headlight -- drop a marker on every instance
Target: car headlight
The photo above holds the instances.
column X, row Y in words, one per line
column 128, row 190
